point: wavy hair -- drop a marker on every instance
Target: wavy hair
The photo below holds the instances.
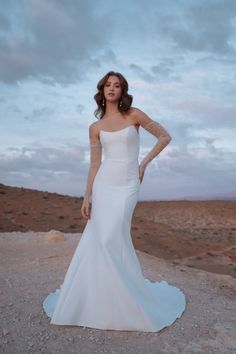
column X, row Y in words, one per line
column 125, row 99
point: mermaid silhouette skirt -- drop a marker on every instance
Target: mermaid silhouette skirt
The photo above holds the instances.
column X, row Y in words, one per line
column 104, row 286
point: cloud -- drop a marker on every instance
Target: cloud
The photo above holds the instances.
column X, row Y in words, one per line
column 141, row 72
column 80, row 108
column 177, row 56
column 56, row 170
column 41, row 158
column 191, row 170
column 163, row 70
column 178, row 171
column 49, row 39
column 188, row 25
column 207, row 113
column 41, row 114
column 202, row 26
column 59, row 41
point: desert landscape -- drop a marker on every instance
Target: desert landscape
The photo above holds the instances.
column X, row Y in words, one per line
column 191, row 244
column 199, row 234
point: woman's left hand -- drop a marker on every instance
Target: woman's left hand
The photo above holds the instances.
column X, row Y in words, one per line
column 142, row 168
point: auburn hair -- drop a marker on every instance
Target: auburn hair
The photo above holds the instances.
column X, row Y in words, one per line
column 125, row 99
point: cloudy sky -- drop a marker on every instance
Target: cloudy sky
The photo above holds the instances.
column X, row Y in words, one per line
column 179, row 59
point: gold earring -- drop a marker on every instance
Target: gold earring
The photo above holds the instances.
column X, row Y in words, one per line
column 103, row 101
column 120, row 103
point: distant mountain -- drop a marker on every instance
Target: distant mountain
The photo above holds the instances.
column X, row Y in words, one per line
column 221, row 196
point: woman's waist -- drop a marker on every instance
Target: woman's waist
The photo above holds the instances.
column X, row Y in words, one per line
column 118, row 172
column 124, row 160
column 119, row 167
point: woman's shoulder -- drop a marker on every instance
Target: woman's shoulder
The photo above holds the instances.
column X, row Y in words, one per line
column 135, row 110
column 136, row 114
column 94, row 129
column 94, row 126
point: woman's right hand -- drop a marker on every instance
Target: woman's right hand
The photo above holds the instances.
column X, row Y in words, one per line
column 86, row 208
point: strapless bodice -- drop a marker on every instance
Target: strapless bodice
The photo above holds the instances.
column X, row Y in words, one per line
column 121, row 144
column 120, row 166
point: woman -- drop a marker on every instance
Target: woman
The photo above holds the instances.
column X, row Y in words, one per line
column 104, row 286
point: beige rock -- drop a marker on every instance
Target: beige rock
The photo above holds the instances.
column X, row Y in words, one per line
column 54, row 235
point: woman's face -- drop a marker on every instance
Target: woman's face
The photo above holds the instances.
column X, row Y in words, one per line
column 112, row 89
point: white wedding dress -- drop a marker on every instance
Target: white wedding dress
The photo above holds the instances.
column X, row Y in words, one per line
column 104, row 286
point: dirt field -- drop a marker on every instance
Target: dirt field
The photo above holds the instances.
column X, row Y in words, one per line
column 33, row 264
column 198, row 234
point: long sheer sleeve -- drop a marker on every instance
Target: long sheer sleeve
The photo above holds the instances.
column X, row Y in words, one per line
column 161, row 134
column 95, row 161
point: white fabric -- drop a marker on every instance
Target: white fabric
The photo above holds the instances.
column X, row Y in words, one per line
column 104, row 286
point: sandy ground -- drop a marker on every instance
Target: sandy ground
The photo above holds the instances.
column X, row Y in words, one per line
column 33, row 265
